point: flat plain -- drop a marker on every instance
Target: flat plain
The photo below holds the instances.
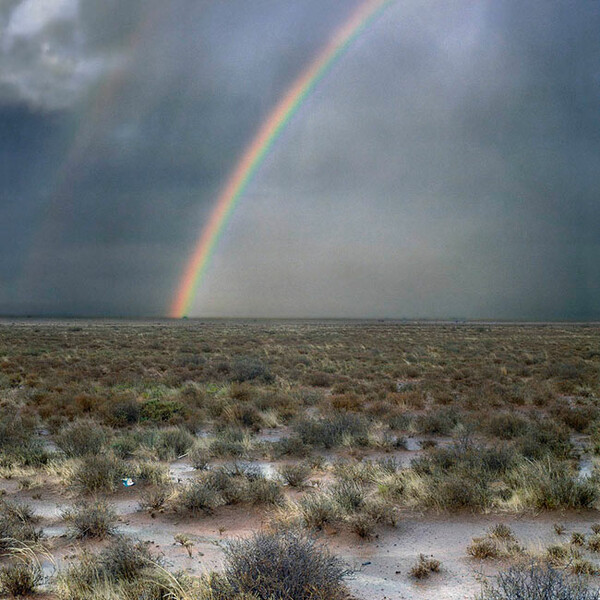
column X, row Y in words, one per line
column 389, row 459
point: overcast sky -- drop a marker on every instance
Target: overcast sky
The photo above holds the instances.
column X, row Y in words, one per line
column 447, row 166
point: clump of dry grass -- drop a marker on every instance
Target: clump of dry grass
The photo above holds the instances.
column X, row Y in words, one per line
column 424, row 567
column 499, row 542
column 17, row 524
column 96, row 519
column 123, row 570
column 294, row 474
column 83, row 437
column 96, row 474
column 156, row 498
column 23, row 574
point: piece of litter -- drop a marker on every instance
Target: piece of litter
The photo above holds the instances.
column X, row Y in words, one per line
column 366, row 563
column 128, row 482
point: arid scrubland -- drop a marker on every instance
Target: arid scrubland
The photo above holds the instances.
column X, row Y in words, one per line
column 291, row 460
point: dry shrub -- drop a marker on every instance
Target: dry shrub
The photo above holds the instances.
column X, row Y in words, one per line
column 499, row 542
column 537, row 582
column 197, row 497
column 17, row 524
column 99, row 473
column 20, row 578
column 424, row 567
column 282, row 565
column 294, row 474
column 97, row 519
column 318, row 510
column 349, row 402
column 155, row 498
column 82, row 438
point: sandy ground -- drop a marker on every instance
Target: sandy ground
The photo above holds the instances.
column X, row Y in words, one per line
column 380, row 565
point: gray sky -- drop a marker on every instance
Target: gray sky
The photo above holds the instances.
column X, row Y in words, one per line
column 447, row 166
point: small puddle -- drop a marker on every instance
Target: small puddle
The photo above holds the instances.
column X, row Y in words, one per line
column 586, row 467
column 412, row 444
column 271, row 435
column 181, row 471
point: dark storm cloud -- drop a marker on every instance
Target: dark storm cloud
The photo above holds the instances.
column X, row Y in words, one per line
column 446, row 166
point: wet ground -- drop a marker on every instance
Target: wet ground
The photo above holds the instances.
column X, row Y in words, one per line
column 380, row 565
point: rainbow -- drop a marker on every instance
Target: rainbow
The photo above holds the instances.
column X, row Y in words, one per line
column 259, row 147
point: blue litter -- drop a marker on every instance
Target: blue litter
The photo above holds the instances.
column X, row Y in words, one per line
column 128, row 482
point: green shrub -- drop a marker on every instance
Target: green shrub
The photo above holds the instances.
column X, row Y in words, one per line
column 125, row 445
column 545, row 438
column 18, row 442
column 126, row 412
column 290, row 446
column 243, row 415
column 125, row 570
column 150, row 473
column 231, row 488
column 124, row 560
column 462, row 476
column 229, row 442
column 264, row 491
column 199, row 458
column 594, row 543
column 439, row 422
column 161, row 410
column 507, row 426
column 349, row 496
column 549, row 485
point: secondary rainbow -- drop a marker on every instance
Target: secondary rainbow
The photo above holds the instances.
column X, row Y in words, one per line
column 256, row 152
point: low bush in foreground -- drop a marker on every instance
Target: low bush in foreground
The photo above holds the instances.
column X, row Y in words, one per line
column 537, row 582
column 17, row 524
column 125, row 570
column 283, row 565
column 20, row 578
